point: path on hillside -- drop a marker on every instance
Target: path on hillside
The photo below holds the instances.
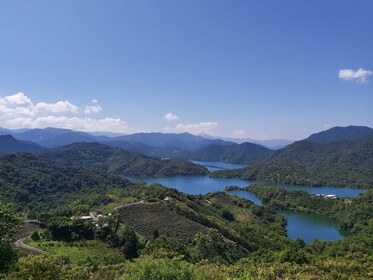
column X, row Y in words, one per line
column 129, row 204
column 31, row 250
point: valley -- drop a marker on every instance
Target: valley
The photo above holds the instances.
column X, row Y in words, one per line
column 205, row 214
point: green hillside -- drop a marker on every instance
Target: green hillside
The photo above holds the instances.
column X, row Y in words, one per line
column 29, row 183
column 238, row 153
column 115, row 160
column 342, row 163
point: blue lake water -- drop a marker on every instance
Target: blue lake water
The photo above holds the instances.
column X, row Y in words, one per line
column 309, row 227
column 205, row 184
column 300, row 225
column 217, row 165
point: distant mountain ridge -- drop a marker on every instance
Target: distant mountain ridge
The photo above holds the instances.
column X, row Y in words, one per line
column 185, row 141
column 9, row 145
column 51, row 137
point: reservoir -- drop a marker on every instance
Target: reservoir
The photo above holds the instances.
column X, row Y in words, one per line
column 300, row 225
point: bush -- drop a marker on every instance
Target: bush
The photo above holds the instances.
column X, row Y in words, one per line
column 35, row 236
column 162, row 269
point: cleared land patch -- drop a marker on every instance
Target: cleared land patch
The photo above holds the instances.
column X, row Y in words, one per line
column 148, row 219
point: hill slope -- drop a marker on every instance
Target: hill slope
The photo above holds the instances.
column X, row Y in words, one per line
column 102, row 157
column 237, row 153
column 8, row 145
column 343, row 163
column 30, row 183
column 148, row 218
column 349, row 133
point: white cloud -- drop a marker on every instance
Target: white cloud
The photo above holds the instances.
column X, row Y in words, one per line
column 360, row 75
column 58, row 107
column 82, row 124
column 170, row 117
column 239, row 133
column 17, row 99
column 18, row 111
column 197, row 128
column 92, row 109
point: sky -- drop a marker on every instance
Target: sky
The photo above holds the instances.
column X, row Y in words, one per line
column 244, row 69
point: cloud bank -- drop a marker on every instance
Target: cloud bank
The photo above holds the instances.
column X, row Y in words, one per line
column 360, row 75
column 18, row 111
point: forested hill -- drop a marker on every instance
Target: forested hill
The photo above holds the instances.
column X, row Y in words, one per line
column 349, row 133
column 342, row 163
column 115, row 160
column 32, row 184
column 238, row 153
column 8, row 145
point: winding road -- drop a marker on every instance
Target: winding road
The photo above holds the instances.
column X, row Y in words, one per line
column 31, row 250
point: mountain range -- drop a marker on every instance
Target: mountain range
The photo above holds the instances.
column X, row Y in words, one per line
column 339, row 156
column 161, row 145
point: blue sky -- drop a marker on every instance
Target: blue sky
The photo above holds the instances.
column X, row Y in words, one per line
column 259, row 69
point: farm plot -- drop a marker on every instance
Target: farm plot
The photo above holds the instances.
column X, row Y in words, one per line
column 155, row 219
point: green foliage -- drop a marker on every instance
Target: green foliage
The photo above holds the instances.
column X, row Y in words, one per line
column 130, row 243
column 44, row 267
column 160, row 269
column 209, row 246
column 32, row 184
column 35, row 236
column 167, row 247
column 83, row 252
column 9, row 225
column 227, row 215
column 115, row 160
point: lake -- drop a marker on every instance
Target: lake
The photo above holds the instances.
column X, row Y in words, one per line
column 217, row 165
column 309, row 227
column 300, row 225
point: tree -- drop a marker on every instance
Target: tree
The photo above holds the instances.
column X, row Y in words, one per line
column 209, row 246
column 9, row 225
column 44, row 267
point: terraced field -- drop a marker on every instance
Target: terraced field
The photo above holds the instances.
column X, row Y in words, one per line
column 147, row 219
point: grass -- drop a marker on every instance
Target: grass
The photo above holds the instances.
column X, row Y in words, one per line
column 80, row 251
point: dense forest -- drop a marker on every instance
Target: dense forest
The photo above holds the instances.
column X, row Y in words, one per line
column 115, row 160
column 342, row 163
column 31, row 184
